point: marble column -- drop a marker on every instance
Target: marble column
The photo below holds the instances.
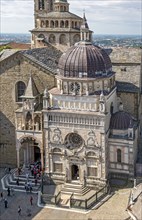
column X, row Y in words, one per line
column 51, row 164
column 25, row 158
column 27, row 153
column 18, row 158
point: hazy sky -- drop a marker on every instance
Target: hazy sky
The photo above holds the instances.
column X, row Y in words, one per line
column 104, row 16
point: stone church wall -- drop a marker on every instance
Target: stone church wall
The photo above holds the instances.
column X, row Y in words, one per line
column 130, row 102
column 126, row 64
column 18, row 70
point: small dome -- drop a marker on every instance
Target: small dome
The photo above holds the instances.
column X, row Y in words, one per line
column 84, row 60
column 121, row 120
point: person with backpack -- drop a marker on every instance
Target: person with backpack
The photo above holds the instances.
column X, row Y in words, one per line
column 19, row 210
column 31, row 200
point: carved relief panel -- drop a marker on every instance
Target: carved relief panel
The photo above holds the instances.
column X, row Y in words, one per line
column 92, row 140
column 57, row 137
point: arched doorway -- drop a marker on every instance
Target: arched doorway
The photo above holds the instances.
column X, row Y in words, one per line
column 29, row 151
column 75, row 172
column 37, row 154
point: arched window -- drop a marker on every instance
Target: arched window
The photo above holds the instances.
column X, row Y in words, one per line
column 52, row 24
column 57, row 151
column 37, row 122
column 66, row 24
column 62, row 24
column 61, row 8
column 76, row 38
column 52, row 39
column 118, row 155
column 28, row 121
column 47, row 23
column 56, row 23
column 72, row 24
column 91, row 154
column 41, row 4
column 42, row 23
column 20, row 89
column 62, row 39
column 41, row 36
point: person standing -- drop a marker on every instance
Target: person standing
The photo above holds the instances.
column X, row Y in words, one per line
column 12, row 191
column 19, row 171
column 27, row 177
column 32, row 171
column 1, row 195
column 5, row 203
column 17, row 182
column 8, row 191
column 35, row 181
column 35, row 173
column 19, row 210
column 31, row 200
column 9, row 169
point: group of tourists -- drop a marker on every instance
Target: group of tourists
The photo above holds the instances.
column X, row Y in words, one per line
column 10, row 192
column 5, row 200
column 28, row 186
column 35, row 170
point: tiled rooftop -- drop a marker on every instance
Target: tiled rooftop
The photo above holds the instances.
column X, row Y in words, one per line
column 48, row 57
column 126, row 87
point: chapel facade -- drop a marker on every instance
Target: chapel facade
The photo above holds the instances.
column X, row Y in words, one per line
column 69, row 110
column 79, row 125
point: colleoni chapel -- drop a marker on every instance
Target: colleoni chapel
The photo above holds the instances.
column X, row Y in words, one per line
column 64, row 105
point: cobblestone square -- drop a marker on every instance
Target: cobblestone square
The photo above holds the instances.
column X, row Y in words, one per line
column 113, row 209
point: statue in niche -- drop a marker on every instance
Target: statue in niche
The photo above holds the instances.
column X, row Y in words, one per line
column 91, row 142
column 57, row 138
column 26, row 104
column 28, row 121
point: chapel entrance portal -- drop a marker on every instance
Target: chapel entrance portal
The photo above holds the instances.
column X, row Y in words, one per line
column 37, row 154
column 75, row 172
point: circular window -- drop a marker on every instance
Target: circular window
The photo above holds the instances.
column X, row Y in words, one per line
column 73, row 140
column 75, row 87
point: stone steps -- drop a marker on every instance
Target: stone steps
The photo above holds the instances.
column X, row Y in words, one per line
column 80, row 192
column 9, row 180
column 65, row 200
column 75, row 188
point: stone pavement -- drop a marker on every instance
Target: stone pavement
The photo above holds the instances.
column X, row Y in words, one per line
column 113, row 209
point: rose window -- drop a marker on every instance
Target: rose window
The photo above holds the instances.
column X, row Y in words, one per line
column 73, row 140
column 75, row 87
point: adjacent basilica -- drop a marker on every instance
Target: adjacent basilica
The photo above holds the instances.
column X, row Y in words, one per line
column 66, row 104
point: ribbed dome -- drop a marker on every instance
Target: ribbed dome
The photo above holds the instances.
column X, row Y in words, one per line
column 84, row 60
column 121, row 120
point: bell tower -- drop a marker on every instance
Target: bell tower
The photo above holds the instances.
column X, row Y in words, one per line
column 56, row 25
column 41, row 6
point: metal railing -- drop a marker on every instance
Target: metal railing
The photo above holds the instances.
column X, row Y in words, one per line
column 77, row 203
column 48, row 199
column 57, row 198
column 88, row 203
